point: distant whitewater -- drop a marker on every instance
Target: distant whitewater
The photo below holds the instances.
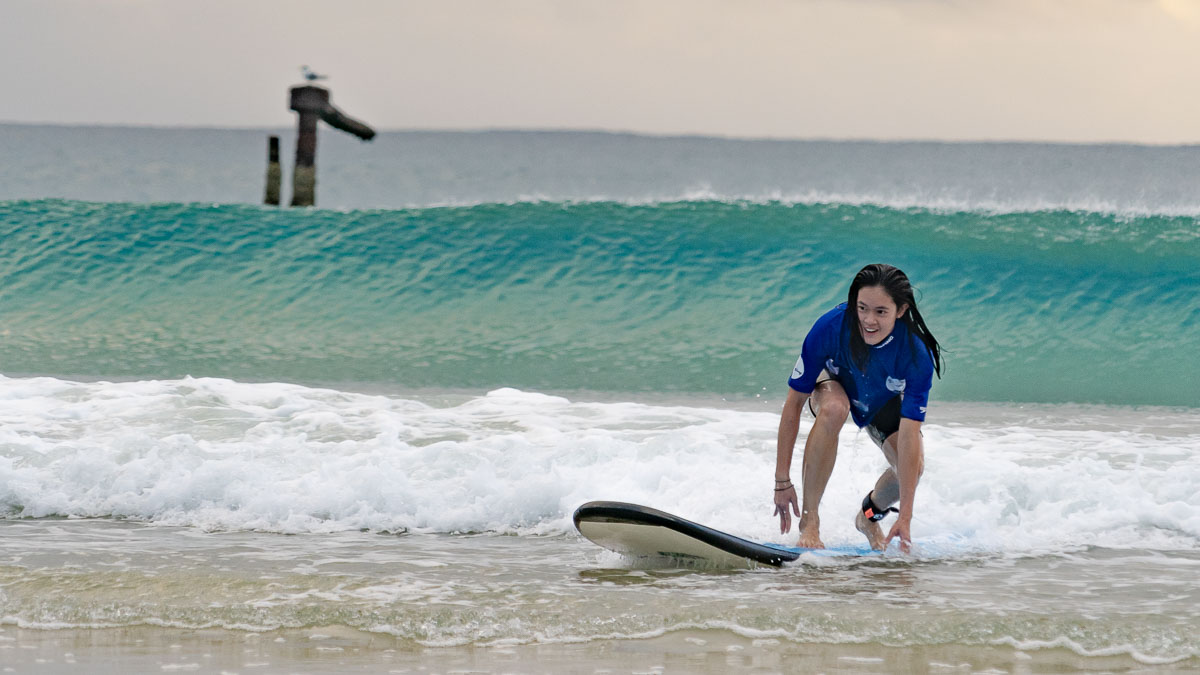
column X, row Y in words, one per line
column 419, row 169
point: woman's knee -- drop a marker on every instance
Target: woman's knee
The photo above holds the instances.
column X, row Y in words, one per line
column 835, row 408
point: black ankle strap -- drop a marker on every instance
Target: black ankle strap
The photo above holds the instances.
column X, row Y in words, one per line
column 874, row 513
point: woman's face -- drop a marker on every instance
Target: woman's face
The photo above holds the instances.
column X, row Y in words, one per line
column 877, row 314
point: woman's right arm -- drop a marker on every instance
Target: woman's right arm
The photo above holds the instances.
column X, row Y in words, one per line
column 789, row 429
column 819, row 345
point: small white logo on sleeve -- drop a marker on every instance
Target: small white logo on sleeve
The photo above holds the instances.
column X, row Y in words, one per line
column 895, row 385
column 833, row 370
column 922, row 409
column 798, row 371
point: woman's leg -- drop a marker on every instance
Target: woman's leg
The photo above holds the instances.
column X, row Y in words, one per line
column 885, row 493
column 831, row 405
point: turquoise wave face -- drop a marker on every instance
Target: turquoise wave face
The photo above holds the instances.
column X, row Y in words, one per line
column 688, row 297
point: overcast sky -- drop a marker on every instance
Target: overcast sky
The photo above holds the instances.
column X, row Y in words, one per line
column 1057, row 70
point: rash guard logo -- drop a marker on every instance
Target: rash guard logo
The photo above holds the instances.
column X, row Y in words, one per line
column 798, row 371
column 895, row 385
column 833, row 370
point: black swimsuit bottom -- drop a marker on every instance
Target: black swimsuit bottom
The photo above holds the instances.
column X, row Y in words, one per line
column 886, row 422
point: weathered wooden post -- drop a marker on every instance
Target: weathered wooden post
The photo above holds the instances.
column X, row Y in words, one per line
column 308, row 102
column 274, row 173
column 312, row 103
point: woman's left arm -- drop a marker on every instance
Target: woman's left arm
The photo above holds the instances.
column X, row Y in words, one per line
column 910, row 460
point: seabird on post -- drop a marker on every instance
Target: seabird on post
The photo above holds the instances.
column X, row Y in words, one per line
column 310, row 76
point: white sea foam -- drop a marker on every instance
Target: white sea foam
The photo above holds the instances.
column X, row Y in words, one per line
column 219, row 454
column 936, row 202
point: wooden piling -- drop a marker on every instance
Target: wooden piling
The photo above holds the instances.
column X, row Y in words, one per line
column 312, row 104
column 304, row 174
column 274, row 173
column 309, row 102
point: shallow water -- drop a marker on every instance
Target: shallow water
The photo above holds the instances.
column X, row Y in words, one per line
column 489, row 590
column 444, row 521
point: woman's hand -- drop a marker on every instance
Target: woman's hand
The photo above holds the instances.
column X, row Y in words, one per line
column 900, row 529
column 783, row 497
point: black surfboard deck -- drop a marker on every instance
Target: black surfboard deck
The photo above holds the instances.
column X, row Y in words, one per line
column 642, row 532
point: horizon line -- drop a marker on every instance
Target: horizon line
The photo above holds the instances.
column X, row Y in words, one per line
column 617, row 132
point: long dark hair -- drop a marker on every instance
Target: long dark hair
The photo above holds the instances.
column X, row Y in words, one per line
column 896, row 283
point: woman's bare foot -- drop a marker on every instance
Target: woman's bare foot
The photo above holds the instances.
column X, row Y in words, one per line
column 810, row 537
column 871, row 530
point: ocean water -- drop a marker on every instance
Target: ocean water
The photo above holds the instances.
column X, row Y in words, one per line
column 381, row 414
column 691, row 297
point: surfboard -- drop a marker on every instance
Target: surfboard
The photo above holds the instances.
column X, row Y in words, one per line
column 642, row 532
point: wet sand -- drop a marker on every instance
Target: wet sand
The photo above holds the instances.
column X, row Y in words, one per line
column 145, row 649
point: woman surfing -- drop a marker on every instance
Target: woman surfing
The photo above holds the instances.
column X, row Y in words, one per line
column 871, row 358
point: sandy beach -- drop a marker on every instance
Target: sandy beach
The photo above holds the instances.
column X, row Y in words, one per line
column 338, row 650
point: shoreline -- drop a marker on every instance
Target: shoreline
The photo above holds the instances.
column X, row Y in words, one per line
column 337, row 649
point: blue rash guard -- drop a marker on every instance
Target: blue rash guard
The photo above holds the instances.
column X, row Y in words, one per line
column 900, row 365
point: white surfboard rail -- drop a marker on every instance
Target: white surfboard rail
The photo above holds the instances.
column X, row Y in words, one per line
column 642, row 532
